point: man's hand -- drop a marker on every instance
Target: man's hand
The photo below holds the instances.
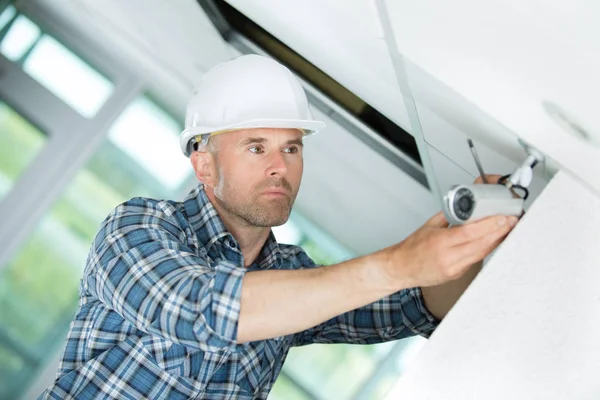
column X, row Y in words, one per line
column 435, row 254
column 492, row 179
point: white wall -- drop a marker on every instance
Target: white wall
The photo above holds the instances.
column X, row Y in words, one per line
column 529, row 325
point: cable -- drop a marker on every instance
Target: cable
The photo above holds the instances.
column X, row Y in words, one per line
column 502, row 181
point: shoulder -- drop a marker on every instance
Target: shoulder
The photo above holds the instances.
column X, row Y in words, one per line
column 295, row 257
column 144, row 213
column 147, row 206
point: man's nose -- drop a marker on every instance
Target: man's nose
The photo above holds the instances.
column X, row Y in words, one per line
column 277, row 165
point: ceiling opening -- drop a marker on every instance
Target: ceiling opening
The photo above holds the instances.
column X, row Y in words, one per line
column 227, row 19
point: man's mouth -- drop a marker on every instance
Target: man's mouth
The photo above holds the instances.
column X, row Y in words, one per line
column 275, row 192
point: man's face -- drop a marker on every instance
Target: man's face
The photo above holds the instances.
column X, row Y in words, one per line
column 258, row 173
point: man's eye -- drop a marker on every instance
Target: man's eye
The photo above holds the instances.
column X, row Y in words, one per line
column 291, row 150
column 256, row 149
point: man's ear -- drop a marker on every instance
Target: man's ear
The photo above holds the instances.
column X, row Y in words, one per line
column 203, row 163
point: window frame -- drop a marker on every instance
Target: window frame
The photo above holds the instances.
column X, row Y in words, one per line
column 71, row 138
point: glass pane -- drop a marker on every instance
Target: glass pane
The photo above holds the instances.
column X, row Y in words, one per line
column 39, row 287
column 20, row 37
column 151, row 137
column 8, row 14
column 20, row 142
column 341, row 371
column 388, row 377
column 67, row 76
column 9, row 363
column 333, row 371
column 288, row 233
column 285, row 389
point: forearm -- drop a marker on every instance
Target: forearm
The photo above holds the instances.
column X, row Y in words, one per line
column 276, row 303
column 440, row 299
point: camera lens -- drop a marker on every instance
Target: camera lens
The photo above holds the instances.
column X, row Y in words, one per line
column 463, row 204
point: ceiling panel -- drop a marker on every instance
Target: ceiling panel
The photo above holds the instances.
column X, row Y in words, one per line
column 449, row 141
column 509, row 60
column 345, row 41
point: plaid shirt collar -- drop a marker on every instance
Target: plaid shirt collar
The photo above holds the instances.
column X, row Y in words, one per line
column 211, row 230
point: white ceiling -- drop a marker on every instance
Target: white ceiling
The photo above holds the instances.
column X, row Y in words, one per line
column 344, row 41
column 506, row 58
column 476, row 70
column 486, row 67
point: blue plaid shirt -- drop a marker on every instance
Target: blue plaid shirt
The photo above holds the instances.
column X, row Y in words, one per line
column 160, row 302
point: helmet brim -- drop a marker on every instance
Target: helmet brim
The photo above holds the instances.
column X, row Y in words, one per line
column 308, row 127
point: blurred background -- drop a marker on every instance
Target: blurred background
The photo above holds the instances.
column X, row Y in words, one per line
column 92, row 102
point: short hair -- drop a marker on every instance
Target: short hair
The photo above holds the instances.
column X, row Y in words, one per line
column 204, row 145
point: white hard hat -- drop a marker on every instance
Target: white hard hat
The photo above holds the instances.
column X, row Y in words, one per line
column 250, row 91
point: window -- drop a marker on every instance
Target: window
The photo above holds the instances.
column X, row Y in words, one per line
column 20, row 142
column 151, row 138
column 21, row 37
column 53, row 65
column 39, row 287
column 286, row 389
column 7, row 16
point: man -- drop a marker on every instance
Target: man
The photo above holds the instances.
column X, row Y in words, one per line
column 197, row 300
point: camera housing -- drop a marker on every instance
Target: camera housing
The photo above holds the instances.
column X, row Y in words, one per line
column 468, row 203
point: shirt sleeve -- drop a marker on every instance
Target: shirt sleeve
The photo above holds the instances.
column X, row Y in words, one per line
column 142, row 268
column 397, row 316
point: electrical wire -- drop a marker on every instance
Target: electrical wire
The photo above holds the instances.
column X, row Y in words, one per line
column 502, row 181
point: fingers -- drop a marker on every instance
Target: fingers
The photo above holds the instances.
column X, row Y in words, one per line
column 471, row 252
column 437, row 221
column 477, row 256
column 491, row 178
column 478, row 229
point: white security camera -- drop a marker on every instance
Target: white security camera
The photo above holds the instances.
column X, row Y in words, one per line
column 468, row 203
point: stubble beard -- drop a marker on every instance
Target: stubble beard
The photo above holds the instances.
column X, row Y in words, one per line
column 257, row 210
